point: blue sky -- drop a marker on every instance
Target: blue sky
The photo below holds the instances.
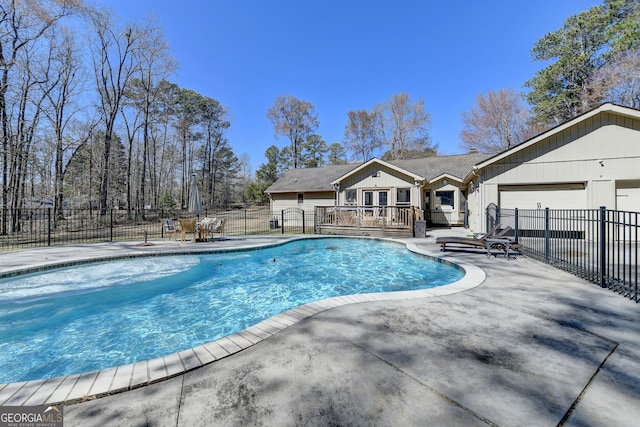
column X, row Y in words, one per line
column 344, row 55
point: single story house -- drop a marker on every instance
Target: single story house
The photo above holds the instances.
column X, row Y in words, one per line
column 434, row 185
column 590, row 161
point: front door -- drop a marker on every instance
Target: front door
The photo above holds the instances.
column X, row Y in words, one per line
column 381, row 198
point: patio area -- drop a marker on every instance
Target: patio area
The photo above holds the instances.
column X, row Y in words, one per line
column 532, row 345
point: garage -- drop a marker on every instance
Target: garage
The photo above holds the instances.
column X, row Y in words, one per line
column 552, row 196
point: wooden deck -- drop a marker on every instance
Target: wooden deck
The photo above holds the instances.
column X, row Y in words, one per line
column 377, row 221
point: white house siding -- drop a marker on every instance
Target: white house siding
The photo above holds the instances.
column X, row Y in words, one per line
column 379, row 178
column 285, row 201
column 595, row 153
column 443, row 215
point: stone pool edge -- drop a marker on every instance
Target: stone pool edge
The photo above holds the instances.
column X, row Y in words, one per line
column 91, row 385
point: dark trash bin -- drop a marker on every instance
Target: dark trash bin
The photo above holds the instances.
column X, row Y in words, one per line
column 273, row 223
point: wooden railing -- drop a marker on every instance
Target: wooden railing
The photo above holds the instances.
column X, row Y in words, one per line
column 371, row 217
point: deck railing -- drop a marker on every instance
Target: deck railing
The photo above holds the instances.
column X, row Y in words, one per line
column 370, row 217
column 600, row 245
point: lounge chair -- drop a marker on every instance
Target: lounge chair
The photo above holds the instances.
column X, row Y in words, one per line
column 478, row 241
column 187, row 226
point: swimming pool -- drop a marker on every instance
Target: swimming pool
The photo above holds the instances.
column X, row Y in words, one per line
column 93, row 317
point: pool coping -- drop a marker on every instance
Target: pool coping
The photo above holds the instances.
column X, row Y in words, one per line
column 91, row 385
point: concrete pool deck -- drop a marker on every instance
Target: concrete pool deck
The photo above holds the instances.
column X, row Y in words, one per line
column 531, row 345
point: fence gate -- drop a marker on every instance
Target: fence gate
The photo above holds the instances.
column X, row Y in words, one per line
column 293, row 220
column 492, row 216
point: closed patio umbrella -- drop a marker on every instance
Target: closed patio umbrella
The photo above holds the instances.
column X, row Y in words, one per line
column 195, row 200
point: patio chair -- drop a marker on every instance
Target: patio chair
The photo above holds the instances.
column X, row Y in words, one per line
column 477, row 241
column 170, row 227
column 204, row 226
column 218, row 228
column 187, row 226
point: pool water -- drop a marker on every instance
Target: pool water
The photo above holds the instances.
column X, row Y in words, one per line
column 96, row 316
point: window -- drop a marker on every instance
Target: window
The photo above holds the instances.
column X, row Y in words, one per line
column 300, row 198
column 382, row 198
column 403, row 196
column 368, row 198
column 351, row 197
column 444, row 199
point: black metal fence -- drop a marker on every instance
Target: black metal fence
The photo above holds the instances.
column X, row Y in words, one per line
column 25, row 228
column 600, row 245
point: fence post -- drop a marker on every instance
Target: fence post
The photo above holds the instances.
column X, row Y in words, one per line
column 48, row 226
column 302, row 222
column 282, row 219
column 245, row 222
column 162, row 223
column 111, row 225
column 603, row 246
column 515, row 231
column 547, row 233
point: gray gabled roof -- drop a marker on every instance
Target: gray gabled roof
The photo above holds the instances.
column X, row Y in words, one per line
column 310, row 179
column 429, row 168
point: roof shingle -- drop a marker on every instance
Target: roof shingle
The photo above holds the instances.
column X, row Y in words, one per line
column 320, row 179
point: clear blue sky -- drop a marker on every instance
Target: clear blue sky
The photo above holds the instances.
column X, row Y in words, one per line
column 344, row 55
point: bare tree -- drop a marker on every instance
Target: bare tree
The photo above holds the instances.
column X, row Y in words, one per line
column 114, row 65
column 617, row 81
column 165, row 160
column 403, row 126
column 131, row 111
column 214, row 123
column 155, row 66
column 497, row 122
column 187, row 117
column 22, row 25
column 294, row 119
column 67, row 85
column 360, row 134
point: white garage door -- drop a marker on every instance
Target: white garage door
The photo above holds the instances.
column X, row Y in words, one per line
column 552, row 196
column 628, row 197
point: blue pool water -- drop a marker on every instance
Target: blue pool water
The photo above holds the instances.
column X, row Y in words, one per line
column 96, row 316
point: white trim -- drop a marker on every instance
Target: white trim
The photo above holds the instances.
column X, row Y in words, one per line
column 446, row 176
